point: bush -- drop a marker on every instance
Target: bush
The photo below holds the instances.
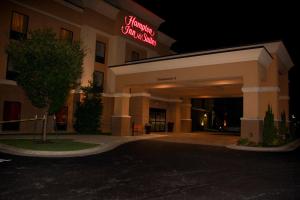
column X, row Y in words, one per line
column 243, row 141
column 89, row 111
column 247, row 142
column 269, row 130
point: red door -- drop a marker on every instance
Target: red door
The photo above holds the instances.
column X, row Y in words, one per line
column 11, row 111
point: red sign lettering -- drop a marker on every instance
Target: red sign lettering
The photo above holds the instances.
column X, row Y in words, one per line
column 138, row 30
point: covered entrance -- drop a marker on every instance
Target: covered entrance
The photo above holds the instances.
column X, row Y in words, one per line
column 256, row 74
column 217, row 115
column 157, row 119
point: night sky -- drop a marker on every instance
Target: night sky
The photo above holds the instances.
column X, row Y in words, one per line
column 199, row 25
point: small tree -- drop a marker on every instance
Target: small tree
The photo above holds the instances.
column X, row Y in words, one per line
column 269, row 129
column 48, row 68
column 89, row 111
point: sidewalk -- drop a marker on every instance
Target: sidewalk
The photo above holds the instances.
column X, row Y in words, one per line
column 105, row 142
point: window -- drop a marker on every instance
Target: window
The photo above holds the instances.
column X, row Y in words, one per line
column 100, row 52
column 98, row 79
column 11, row 111
column 66, row 35
column 11, row 74
column 19, row 26
column 135, row 56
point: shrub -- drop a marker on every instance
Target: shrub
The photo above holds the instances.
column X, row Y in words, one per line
column 269, row 129
column 243, row 141
column 89, row 111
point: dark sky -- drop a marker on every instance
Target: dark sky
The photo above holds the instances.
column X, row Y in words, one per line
column 201, row 25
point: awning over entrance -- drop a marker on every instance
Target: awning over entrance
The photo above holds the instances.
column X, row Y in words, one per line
column 258, row 73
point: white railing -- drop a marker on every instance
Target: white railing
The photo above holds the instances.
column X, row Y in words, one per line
column 36, row 118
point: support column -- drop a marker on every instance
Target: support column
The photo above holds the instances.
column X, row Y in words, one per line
column 139, row 111
column 284, row 94
column 121, row 119
column 107, row 113
column 176, row 117
column 88, row 38
column 255, row 105
column 185, row 112
column 116, row 56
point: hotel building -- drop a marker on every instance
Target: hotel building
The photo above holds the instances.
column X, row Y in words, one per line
column 142, row 79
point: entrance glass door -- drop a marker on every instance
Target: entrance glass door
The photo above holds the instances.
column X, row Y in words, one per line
column 157, row 119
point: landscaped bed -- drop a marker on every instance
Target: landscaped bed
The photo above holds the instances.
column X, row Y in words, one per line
column 49, row 145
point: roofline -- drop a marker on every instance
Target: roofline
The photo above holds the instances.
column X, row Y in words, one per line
column 258, row 54
column 272, row 48
column 165, row 39
column 187, row 55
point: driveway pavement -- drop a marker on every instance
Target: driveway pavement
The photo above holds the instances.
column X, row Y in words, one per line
column 154, row 169
column 203, row 138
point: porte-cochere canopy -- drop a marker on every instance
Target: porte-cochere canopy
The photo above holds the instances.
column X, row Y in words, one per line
column 258, row 73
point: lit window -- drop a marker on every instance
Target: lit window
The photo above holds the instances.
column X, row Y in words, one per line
column 135, row 56
column 100, row 52
column 66, row 35
column 19, row 26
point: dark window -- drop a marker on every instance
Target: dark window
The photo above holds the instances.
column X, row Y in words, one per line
column 11, row 111
column 98, row 78
column 19, row 26
column 135, row 56
column 100, row 52
column 11, row 74
column 66, row 35
column 61, row 119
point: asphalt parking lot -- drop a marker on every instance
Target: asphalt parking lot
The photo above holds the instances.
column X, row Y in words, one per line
column 154, row 169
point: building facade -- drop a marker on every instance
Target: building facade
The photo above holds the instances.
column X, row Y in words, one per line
column 142, row 81
column 106, row 33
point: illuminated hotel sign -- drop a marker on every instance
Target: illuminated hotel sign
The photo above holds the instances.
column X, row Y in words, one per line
column 138, row 30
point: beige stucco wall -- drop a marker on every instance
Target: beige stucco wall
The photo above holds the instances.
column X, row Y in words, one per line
column 246, row 70
column 130, row 48
column 139, row 111
column 14, row 93
column 107, row 112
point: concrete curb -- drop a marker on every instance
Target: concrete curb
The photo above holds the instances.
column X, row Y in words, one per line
column 64, row 154
column 286, row 148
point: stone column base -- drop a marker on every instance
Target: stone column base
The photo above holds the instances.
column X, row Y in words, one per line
column 186, row 125
column 252, row 129
column 121, row 125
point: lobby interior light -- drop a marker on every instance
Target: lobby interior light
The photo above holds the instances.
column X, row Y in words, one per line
column 162, row 86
